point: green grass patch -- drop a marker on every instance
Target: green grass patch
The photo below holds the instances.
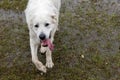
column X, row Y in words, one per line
column 13, row 4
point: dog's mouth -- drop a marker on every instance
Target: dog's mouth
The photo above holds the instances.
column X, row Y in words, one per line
column 47, row 43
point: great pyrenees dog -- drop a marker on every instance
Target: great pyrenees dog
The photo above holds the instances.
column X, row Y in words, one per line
column 42, row 19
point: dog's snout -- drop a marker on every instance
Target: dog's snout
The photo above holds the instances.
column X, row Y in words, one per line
column 42, row 36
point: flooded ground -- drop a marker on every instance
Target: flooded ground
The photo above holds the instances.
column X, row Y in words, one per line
column 87, row 47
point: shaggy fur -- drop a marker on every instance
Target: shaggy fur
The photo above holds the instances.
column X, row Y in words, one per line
column 42, row 17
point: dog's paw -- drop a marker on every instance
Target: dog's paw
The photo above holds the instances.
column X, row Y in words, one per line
column 41, row 67
column 43, row 49
column 50, row 64
column 44, row 69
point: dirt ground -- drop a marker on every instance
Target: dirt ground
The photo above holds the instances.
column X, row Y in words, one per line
column 87, row 46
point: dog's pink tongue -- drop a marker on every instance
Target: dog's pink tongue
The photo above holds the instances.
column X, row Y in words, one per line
column 48, row 43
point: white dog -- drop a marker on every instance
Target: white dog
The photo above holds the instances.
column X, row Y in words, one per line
column 42, row 19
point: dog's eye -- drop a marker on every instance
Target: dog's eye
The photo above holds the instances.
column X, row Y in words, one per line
column 47, row 24
column 36, row 25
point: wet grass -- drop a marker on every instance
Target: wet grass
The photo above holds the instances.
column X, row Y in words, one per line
column 13, row 4
column 87, row 47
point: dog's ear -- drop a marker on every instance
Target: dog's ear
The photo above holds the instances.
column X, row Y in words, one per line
column 54, row 18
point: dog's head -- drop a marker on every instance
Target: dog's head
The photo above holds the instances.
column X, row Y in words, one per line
column 44, row 25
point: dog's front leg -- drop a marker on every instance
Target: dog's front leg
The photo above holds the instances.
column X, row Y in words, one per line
column 49, row 62
column 35, row 60
column 43, row 49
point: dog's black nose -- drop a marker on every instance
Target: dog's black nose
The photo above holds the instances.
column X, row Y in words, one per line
column 42, row 36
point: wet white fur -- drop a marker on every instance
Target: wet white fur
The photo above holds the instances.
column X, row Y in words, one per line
column 41, row 12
